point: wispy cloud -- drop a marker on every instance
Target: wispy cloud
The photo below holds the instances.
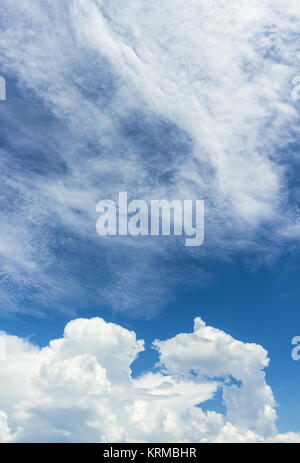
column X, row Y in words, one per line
column 162, row 100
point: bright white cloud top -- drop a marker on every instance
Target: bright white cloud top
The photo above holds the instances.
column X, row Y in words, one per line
column 80, row 388
column 179, row 99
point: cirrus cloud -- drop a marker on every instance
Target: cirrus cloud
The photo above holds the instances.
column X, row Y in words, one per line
column 162, row 100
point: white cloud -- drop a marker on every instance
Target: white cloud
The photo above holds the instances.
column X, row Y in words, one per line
column 220, row 72
column 209, row 352
column 5, row 435
column 80, row 388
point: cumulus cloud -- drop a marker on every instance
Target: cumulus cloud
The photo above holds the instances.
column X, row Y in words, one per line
column 80, row 388
column 5, row 435
column 211, row 353
column 162, row 100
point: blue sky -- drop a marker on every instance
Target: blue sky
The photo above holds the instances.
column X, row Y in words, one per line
column 163, row 103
